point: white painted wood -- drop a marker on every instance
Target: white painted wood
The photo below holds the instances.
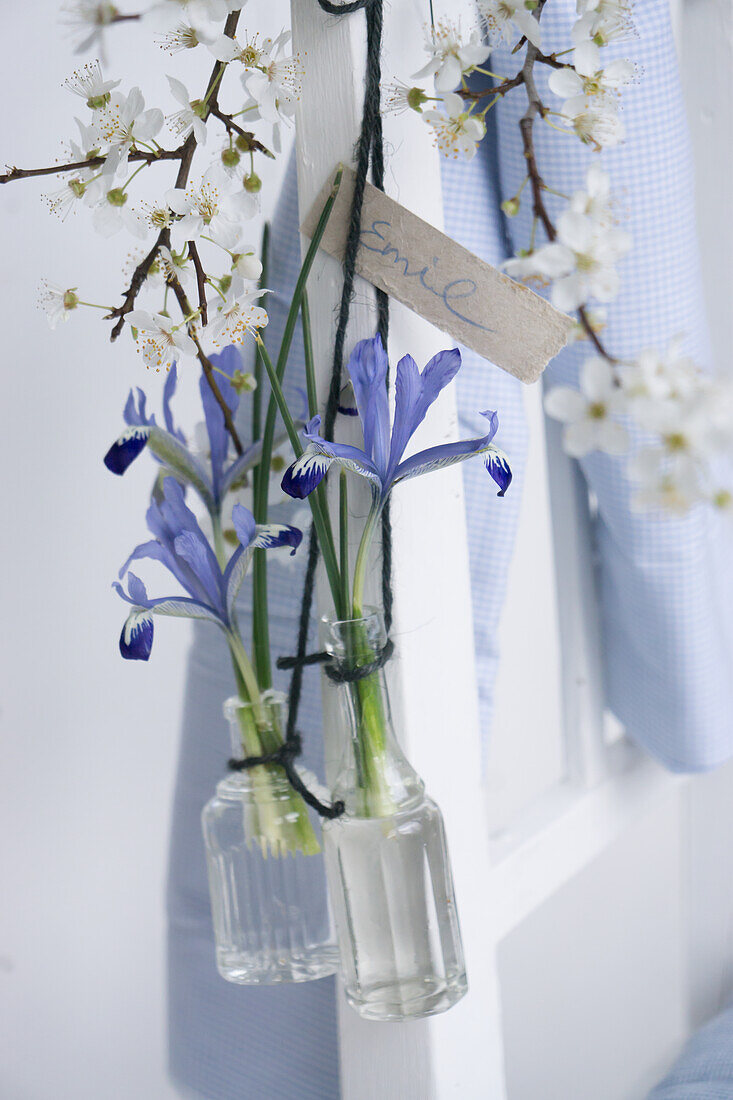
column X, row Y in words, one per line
column 568, row 833
column 580, row 638
column 434, row 678
column 706, row 65
column 525, row 750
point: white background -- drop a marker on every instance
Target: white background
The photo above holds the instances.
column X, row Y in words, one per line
column 89, row 744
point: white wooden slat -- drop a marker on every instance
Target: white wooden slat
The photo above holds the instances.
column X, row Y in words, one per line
column 569, row 830
column 578, row 611
column 434, row 678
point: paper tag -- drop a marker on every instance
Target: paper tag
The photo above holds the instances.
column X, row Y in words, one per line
column 445, row 283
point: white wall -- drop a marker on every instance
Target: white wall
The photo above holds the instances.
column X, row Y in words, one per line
column 88, row 742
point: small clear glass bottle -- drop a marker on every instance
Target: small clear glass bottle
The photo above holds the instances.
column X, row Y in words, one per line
column 387, row 861
column 269, row 900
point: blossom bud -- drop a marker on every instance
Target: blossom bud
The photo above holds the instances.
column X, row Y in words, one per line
column 511, row 207
column 243, row 382
column 247, row 265
column 252, row 183
column 230, row 158
column 224, row 283
column 97, row 102
column 243, row 143
column 116, row 197
column 415, row 99
column 71, row 299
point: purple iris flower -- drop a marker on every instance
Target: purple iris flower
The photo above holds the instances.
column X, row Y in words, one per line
column 180, row 544
column 168, row 444
column 381, row 461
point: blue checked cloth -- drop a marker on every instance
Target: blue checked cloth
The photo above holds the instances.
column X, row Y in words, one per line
column 666, row 610
column 704, row 1071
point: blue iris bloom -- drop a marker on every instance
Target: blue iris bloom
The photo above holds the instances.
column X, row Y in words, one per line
column 381, row 461
column 180, row 545
column 168, row 444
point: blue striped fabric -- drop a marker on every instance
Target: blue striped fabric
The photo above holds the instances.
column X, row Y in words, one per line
column 667, row 638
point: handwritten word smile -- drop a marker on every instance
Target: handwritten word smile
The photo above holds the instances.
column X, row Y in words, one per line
column 457, row 290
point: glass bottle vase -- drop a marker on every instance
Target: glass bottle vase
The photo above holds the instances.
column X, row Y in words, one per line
column 267, row 883
column 387, row 860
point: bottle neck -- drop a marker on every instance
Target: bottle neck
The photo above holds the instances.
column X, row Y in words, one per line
column 255, row 730
column 375, row 779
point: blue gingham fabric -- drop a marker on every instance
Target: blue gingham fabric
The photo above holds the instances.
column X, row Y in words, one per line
column 666, row 646
column 666, row 584
column 704, row 1070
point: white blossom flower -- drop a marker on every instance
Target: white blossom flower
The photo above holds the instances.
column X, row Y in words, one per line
column 601, row 22
column 57, row 302
column 595, row 200
column 168, row 13
column 595, row 121
column 247, row 51
column 665, row 483
column 154, row 216
column 207, row 210
column 457, row 131
column 83, row 186
column 452, row 55
column 505, row 18
column 237, row 316
column 246, row 263
column 122, row 123
column 659, row 376
column 588, row 412
column 112, row 214
column 182, row 36
column 580, row 262
column 275, row 84
column 571, row 82
column 89, row 83
column 400, row 97
column 89, row 19
column 190, row 117
column 176, row 265
column 159, row 340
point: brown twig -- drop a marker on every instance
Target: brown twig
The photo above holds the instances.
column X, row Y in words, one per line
column 551, row 60
column 200, row 281
column 137, row 155
column 526, row 126
column 496, row 89
column 206, row 364
column 187, row 151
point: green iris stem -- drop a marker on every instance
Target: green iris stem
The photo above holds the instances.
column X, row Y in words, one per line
column 257, row 395
column 320, row 513
column 310, row 374
column 362, row 558
column 260, row 614
column 344, row 537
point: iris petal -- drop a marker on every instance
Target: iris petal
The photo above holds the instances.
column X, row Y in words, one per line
column 136, row 639
column 306, row 473
column 125, row 450
column 497, row 463
column 271, row 535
